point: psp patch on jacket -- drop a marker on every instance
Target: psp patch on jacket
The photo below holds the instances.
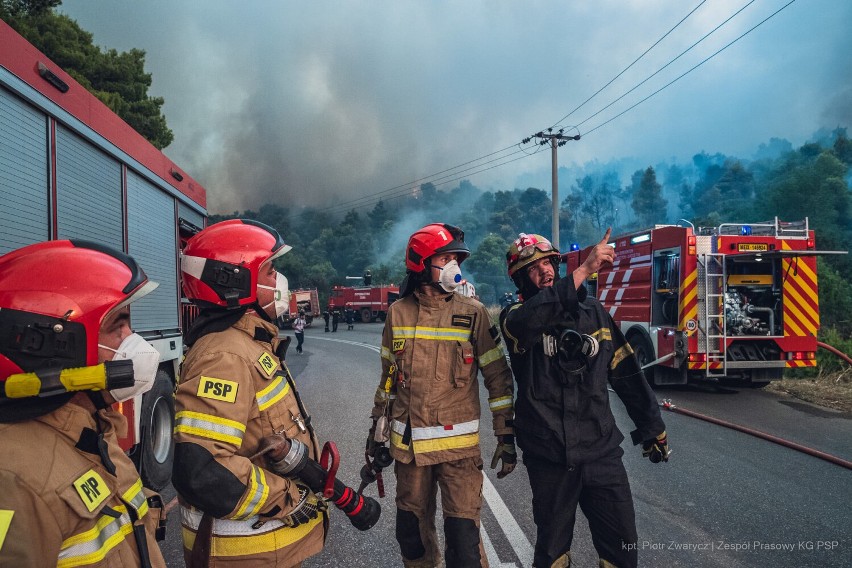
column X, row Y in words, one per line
column 217, row 389
column 398, row 345
column 92, row 489
column 462, row 321
column 267, row 364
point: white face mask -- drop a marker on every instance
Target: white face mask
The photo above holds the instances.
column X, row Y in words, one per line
column 145, row 359
column 450, row 276
column 280, row 296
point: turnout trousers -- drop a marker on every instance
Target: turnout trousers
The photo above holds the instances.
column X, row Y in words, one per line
column 460, row 482
column 603, row 493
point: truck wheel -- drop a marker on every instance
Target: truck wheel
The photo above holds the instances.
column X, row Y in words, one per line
column 366, row 315
column 157, row 423
column 644, row 354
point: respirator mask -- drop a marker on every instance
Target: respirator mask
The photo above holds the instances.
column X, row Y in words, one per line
column 145, row 359
column 281, row 295
column 450, row 276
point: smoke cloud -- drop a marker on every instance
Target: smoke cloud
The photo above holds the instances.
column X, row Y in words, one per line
column 309, row 104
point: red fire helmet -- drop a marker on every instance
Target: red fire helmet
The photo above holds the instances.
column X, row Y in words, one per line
column 220, row 264
column 433, row 239
column 54, row 297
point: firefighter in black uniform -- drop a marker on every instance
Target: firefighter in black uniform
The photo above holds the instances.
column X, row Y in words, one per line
column 565, row 349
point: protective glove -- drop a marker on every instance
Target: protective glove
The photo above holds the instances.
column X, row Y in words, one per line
column 371, row 439
column 506, row 452
column 656, row 449
column 306, row 509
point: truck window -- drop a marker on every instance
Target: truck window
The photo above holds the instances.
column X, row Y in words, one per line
column 666, row 277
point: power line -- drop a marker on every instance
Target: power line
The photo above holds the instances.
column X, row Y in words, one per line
column 423, row 179
column 682, row 53
column 408, row 189
column 644, row 53
column 693, row 68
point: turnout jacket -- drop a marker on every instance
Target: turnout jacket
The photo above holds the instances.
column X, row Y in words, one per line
column 233, row 391
column 69, row 496
column 562, row 415
column 432, row 350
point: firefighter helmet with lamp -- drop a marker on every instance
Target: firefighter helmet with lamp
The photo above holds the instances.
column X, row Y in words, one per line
column 527, row 249
column 54, row 297
column 221, row 263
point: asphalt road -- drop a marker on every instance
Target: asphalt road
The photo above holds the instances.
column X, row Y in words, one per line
column 725, row 498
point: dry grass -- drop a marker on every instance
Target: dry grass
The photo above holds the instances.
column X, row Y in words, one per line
column 832, row 390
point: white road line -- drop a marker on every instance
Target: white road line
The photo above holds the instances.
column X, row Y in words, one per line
column 514, row 534
column 491, row 553
column 358, row 343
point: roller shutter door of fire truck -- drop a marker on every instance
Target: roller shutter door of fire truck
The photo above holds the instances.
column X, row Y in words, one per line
column 194, row 217
column 88, row 195
column 23, row 174
column 152, row 241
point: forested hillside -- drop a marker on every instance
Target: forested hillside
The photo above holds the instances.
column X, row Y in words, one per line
column 810, row 181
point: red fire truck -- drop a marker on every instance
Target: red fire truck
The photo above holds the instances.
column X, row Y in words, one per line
column 72, row 169
column 370, row 302
column 305, row 301
column 737, row 303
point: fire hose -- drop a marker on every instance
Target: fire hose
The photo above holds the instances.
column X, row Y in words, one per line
column 668, row 405
column 289, row 458
column 836, row 351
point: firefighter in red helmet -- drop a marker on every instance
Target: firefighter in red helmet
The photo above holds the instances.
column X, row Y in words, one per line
column 434, row 344
column 565, row 351
column 235, row 390
column 69, row 496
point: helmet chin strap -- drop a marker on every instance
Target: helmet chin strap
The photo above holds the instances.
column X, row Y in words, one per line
column 258, row 309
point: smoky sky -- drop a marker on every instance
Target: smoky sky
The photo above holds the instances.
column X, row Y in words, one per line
column 316, row 103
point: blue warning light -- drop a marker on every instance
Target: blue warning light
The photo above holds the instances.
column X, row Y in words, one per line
column 745, row 230
column 575, row 246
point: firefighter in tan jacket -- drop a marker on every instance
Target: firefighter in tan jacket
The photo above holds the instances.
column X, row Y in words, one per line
column 234, row 390
column 427, row 405
column 69, row 496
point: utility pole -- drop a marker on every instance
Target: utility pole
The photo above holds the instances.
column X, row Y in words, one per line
column 555, row 139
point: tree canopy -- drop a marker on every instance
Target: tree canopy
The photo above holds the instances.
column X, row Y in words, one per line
column 811, row 181
column 118, row 79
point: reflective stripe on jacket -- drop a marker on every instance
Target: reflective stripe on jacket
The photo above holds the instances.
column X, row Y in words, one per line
column 61, row 506
column 234, row 391
column 433, row 348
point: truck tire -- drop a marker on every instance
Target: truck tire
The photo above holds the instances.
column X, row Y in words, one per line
column 366, row 315
column 644, row 354
column 157, row 422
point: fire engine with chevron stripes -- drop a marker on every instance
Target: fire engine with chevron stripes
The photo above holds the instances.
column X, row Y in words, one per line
column 736, row 304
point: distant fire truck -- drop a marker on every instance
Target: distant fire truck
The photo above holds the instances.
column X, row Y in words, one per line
column 371, row 302
column 736, row 303
column 304, row 301
column 72, row 169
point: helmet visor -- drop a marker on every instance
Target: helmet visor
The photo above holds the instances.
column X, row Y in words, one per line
column 527, row 245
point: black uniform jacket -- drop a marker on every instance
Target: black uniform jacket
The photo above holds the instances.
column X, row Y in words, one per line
column 562, row 411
